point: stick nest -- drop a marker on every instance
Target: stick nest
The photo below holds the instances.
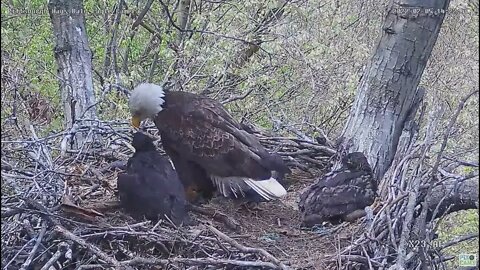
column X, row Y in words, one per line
column 60, row 210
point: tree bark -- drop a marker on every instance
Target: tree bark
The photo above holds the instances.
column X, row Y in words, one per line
column 406, row 140
column 453, row 195
column 74, row 60
column 386, row 94
column 184, row 12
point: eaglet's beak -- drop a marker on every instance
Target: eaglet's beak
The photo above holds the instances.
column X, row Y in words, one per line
column 136, row 121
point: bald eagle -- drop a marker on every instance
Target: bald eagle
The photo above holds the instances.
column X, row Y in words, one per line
column 338, row 195
column 151, row 187
column 210, row 150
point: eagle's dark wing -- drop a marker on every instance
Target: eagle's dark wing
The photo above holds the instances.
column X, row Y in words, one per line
column 214, row 149
column 336, row 201
column 199, row 130
column 334, row 204
column 138, row 199
column 340, row 178
column 204, row 133
column 220, row 118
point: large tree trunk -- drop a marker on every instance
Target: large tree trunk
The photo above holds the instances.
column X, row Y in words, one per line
column 74, row 60
column 383, row 115
column 386, row 93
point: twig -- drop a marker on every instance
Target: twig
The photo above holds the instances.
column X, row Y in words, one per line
column 462, row 162
column 38, row 241
column 443, row 259
column 414, row 192
column 170, row 18
column 70, row 236
column 16, row 255
column 458, row 240
column 201, row 261
column 90, row 266
column 243, row 248
column 369, row 261
column 95, row 250
column 62, row 248
column 228, row 221
column 358, row 258
column 237, row 97
column 142, row 14
column 449, row 129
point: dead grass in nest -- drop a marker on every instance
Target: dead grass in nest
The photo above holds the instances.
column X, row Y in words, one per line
column 275, row 226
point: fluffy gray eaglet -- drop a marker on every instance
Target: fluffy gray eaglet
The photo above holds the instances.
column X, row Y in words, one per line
column 339, row 194
column 208, row 147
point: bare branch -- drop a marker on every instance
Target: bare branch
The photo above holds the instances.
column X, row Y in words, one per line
column 237, row 97
column 247, row 249
column 199, row 31
column 38, row 242
column 459, row 240
column 449, row 129
column 142, row 14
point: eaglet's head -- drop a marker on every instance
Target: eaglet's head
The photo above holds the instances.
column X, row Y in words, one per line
column 356, row 161
column 142, row 142
column 145, row 101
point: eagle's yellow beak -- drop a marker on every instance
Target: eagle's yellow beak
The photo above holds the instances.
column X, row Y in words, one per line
column 136, row 121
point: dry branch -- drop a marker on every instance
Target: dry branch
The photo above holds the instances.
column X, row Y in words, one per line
column 459, row 240
column 202, row 261
column 61, row 249
column 247, row 249
column 228, row 221
column 38, row 242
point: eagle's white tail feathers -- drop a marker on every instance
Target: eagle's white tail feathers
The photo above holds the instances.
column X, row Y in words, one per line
column 268, row 189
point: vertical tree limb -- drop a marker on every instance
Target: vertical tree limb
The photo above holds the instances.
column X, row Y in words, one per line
column 74, row 60
column 386, row 92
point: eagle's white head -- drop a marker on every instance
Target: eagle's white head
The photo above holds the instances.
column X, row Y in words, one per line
column 146, row 101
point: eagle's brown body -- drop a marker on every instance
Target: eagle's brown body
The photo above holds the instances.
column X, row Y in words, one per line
column 209, row 149
column 203, row 140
